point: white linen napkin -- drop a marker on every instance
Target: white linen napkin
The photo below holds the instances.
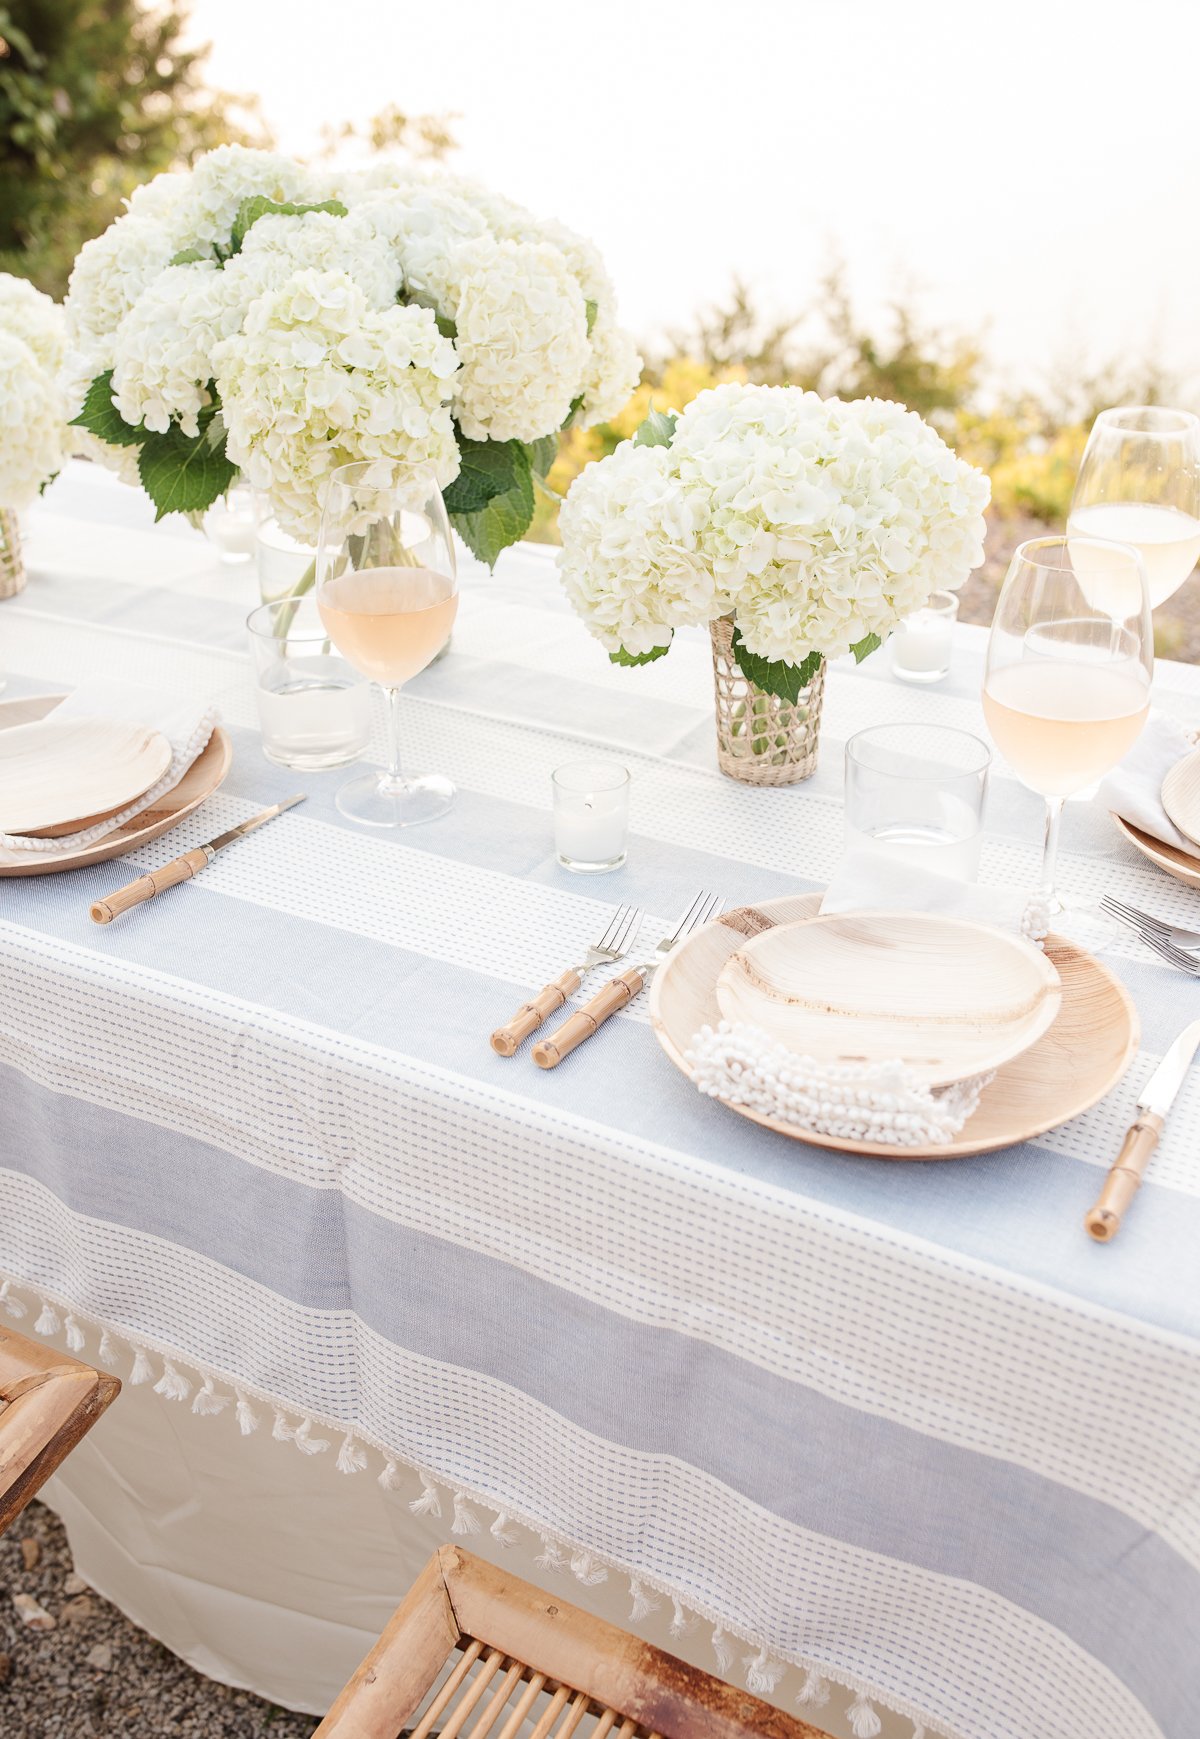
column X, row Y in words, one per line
column 186, row 726
column 883, row 1102
column 1133, row 790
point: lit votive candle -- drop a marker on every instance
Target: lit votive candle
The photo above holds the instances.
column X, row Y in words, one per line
column 922, row 642
column 591, row 816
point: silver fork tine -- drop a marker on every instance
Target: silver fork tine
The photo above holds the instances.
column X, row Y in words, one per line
column 629, row 930
column 1155, row 942
column 607, row 939
column 1119, row 909
column 682, row 927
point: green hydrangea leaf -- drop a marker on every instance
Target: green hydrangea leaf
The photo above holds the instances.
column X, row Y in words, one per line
column 501, row 521
column 864, row 648
column 656, row 430
column 576, row 407
column 542, row 454
column 188, row 257
column 259, row 205
column 591, row 309
column 775, row 676
column 630, row 659
column 445, row 325
column 183, row 474
column 488, row 469
column 100, row 416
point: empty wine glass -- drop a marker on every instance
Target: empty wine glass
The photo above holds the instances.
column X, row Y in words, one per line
column 1066, row 685
column 387, row 592
column 1139, row 484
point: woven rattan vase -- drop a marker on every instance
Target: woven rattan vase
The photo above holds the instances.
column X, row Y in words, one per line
column 12, row 567
column 761, row 739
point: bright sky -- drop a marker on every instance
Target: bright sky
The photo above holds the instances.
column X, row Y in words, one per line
column 1031, row 166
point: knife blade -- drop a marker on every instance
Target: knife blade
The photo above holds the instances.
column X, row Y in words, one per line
column 1103, row 1222
column 181, row 869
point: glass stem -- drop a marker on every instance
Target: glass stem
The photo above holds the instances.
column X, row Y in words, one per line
column 1054, row 809
column 393, row 778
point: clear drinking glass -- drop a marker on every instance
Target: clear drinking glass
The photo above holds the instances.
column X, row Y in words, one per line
column 591, row 815
column 283, row 562
column 1139, row 484
column 922, row 643
column 314, row 708
column 915, row 793
column 1070, row 657
column 387, row 592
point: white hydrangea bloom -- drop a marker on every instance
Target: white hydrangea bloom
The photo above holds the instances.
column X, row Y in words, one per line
column 121, row 461
column 203, row 215
column 32, row 428
column 425, row 231
column 276, row 247
column 632, row 561
column 820, row 523
column 521, row 335
column 160, row 195
column 318, row 379
column 36, row 319
column 164, row 345
column 613, row 371
column 109, row 275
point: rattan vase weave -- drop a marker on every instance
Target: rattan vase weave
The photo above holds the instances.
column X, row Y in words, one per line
column 12, row 567
column 761, row 739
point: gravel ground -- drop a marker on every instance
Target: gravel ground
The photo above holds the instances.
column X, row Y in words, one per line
column 94, row 1672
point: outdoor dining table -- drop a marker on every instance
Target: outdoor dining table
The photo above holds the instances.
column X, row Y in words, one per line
column 896, row 1431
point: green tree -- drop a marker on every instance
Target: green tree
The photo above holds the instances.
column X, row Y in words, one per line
column 95, row 97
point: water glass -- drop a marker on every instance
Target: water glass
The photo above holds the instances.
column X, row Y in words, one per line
column 283, row 563
column 314, row 708
column 591, row 816
column 922, row 643
column 915, row 794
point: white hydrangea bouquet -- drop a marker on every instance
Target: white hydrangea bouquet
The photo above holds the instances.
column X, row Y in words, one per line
column 801, row 528
column 256, row 316
column 33, row 416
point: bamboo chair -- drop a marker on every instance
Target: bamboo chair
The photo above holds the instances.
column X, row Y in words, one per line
column 48, row 1401
column 529, row 1660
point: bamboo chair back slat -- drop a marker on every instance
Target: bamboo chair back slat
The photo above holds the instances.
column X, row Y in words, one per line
column 48, row 1401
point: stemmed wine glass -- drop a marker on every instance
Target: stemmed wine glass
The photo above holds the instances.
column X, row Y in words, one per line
column 387, row 592
column 1066, row 685
column 1139, row 483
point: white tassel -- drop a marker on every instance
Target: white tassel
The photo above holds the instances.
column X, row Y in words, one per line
column 107, row 1354
column 586, row 1570
column 75, row 1336
column 681, row 1622
column 246, row 1417
column 143, row 1370
column 315, row 1445
column 918, row 1731
column 429, row 1503
column 723, row 1649
column 281, row 1431
column 501, row 1531
column 551, row 1555
column 644, row 1602
column 351, row 1457
column 389, row 1479
column 207, row 1400
column 762, row 1673
column 864, row 1722
column 814, row 1692
column 172, row 1385
column 12, row 1305
column 47, row 1322
column 465, row 1520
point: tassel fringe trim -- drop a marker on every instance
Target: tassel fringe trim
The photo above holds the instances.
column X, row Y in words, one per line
column 763, row 1671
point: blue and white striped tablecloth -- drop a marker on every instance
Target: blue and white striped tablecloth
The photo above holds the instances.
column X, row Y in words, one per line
column 899, row 1426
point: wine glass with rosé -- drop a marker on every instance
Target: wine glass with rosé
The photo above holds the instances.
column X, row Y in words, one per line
column 1066, row 686
column 387, row 593
column 1139, row 483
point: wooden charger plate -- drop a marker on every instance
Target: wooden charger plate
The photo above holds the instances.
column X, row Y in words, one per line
column 200, row 781
column 1180, row 864
column 1078, row 1059
column 58, row 775
column 1181, row 796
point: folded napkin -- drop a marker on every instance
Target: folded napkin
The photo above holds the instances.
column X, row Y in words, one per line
column 186, row 726
column 1133, row 790
column 879, row 1102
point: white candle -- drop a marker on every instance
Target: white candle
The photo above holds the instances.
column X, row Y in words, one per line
column 922, row 642
column 591, row 815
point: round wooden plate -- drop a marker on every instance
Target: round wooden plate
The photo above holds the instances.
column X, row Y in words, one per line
column 200, row 781
column 57, row 773
column 1079, row 1059
column 1180, row 864
column 1181, row 796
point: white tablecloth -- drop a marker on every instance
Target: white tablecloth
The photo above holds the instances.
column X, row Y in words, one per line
column 899, row 1429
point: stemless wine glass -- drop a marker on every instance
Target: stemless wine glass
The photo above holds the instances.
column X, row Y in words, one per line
column 1139, row 483
column 387, row 591
column 1066, row 685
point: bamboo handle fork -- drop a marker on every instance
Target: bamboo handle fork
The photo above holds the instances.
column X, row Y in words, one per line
column 615, row 941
